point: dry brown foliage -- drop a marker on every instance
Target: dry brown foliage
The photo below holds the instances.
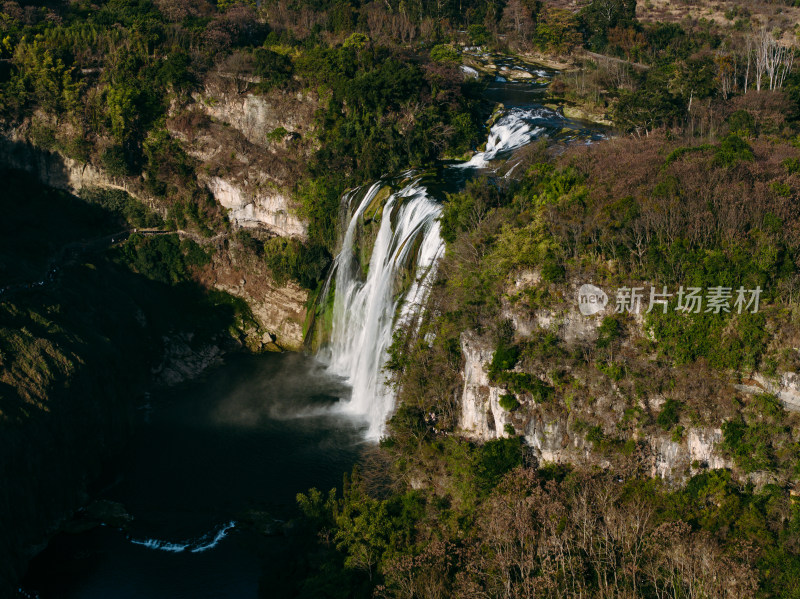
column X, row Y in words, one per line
column 537, row 539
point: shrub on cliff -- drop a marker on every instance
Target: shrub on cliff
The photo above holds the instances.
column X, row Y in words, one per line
column 733, row 149
column 163, row 258
column 116, row 161
column 668, row 416
column 289, row 259
column 466, row 209
column 496, row 458
column 130, row 210
column 508, row 402
column 444, row 53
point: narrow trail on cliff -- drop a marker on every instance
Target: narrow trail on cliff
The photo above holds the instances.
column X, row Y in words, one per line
column 75, row 250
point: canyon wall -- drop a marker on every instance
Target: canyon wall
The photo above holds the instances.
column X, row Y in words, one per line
column 55, row 446
column 558, row 435
column 247, row 174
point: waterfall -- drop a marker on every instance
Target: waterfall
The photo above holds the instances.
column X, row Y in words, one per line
column 364, row 311
column 367, row 309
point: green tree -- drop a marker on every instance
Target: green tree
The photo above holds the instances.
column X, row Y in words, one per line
column 733, row 149
column 273, row 68
column 597, row 17
column 557, row 31
column 356, row 40
column 121, row 110
column 651, row 105
column 478, row 34
column 444, row 53
column 43, row 79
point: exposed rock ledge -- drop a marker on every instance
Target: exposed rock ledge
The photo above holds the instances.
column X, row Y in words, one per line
column 671, row 459
column 785, row 388
column 61, row 172
column 256, row 116
column 265, row 208
column 251, row 151
column 482, row 419
column 279, row 310
column 251, row 196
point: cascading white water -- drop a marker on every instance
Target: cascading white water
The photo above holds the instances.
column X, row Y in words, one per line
column 367, row 311
column 204, row 543
column 364, row 311
column 516, row 128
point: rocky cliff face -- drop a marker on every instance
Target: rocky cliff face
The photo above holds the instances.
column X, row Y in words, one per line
column 555, row 433
column 251, row 149
column 550, row 434
column 785, row 386
column 50, row 456
column 280, row 310
column 269, row 209
column 48, row 461
column 481, row 417
column 256, row 116
column 675, row 460
column 62, row 172
column 248, row 172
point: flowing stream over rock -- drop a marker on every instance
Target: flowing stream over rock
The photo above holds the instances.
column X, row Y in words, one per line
column 365, row 310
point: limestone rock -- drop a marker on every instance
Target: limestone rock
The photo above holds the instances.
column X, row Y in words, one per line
column 258, row 207
column 481, row 417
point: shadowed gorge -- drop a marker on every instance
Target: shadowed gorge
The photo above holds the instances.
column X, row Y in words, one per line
column 80, row 333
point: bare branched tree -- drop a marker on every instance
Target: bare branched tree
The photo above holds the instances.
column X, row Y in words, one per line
column 772, row 60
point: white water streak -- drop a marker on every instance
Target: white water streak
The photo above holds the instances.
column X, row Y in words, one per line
column 469, row 72
column 204, row 543
column 364, row 310
column 516, row 128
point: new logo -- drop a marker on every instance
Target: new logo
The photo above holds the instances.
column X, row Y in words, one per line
column 591, row 299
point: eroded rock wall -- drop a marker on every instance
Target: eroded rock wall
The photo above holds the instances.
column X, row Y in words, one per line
column 555, row 434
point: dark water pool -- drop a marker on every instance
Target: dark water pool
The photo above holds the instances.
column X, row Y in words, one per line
column 249, row 435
